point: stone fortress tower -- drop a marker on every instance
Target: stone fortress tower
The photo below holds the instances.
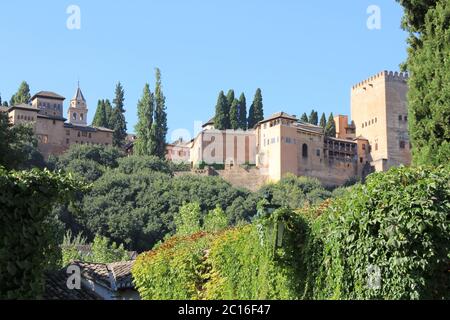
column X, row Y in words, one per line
column 380, row 113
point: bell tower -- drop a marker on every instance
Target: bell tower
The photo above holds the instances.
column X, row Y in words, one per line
column 78, row 109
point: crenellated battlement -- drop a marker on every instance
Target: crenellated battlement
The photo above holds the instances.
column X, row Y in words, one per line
column 388, row 75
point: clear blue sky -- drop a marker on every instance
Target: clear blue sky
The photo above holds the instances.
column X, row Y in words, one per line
column 302, row 54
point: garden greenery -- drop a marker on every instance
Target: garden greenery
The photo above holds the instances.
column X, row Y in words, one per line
column 387, row 239
column 28, row 246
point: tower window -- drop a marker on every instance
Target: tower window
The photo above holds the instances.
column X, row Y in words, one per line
column 400, row 118
column 74, row 116
column 81, row 116
column 402, row 145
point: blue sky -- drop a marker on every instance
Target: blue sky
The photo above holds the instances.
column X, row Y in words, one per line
column 302, row 54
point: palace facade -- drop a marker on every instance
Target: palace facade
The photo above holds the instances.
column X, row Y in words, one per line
column 375, row 140
column 55, row 133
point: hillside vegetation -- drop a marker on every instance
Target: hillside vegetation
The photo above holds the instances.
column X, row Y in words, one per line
column 387, row 239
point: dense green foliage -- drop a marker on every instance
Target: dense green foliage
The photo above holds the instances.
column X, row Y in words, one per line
column 102, row 251
column 101, row 119
column 136, row 207
column 18, row 146
column 28, row 246
column 22, row 95
column 174, row 270
column 397, row 223
column 296, row 192
column 258, row 261
column 242, row 112
column 256, row 111
column 330, row 128
column 387, row 239
column 314, row 118
column 234, row 115
column 145, row 144
column 187, row 219
column 222, row 117
column 429, row 88
column 323, row 121
column 415, row 13
column 151, row 128
column 117, row 121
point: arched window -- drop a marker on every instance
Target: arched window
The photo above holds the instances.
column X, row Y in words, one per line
column 81, row 116
column 305, row 151
column 74, row 116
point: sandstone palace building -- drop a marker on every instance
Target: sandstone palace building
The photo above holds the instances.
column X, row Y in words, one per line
column 55, row 133
column 375, row 139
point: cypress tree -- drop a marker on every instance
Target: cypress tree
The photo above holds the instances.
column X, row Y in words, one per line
column 234, row 115
column 144, row 144
column 108, row 114
column 330, row 129
column 22, row 95
column 220, row 119
column 230, row 100
column 242, row 112
column 100, row 115
column 314, row 118
column 118, row 122
column 304, row 118
column 323, row 121
column 256, row 112
column 160, row 123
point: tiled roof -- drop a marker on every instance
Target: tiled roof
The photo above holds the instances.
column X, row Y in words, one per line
column 279, row 115
column 23, row 106
column 209, row 123
column 48, row 94
column 56, row 288
column 113, row 276
column 79, row 95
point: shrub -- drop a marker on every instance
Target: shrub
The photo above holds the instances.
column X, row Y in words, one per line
column 174, row 270
column 396, row 224
column 258, row 261
column 27, row 241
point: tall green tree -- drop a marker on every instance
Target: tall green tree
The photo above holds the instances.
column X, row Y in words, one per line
column 100, row 115
column 108, row 113
column 314, row 118
column 234, row 115
column 429, row 84
column 230, row 99
column 415, row 13
column 187, row 220
column 256, row 112
column 242, row 112
column 18, row 145
column 160, row 120
column 330, row 129
column 221, row 119
column 323, row 120
column 117, row 121
column 145, row 144
column 304, row 118
column 22, row 95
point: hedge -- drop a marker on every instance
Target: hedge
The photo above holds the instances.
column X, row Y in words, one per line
column 386, row 239
column 27, row 242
